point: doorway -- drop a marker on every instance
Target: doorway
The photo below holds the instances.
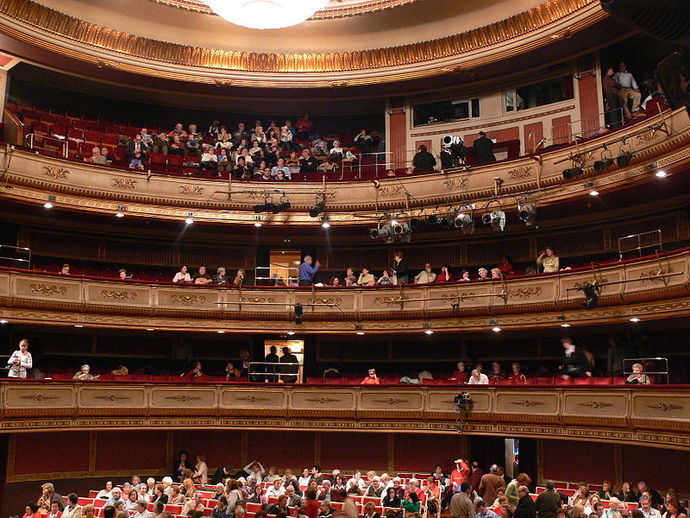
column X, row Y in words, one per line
column 283, row 267
column 288, row 373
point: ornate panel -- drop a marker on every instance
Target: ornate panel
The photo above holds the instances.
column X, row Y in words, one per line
column 39, row 399
column 656, row 275
column 583, row 407
column 119, row 294
column 4, row 285
column 439, row 404
column 257, row 300
column 251, row 400
column 102, row 399
column 192, row 299
column 47, row 288
column 647, row 407
column 328, row 301
column 318, row 402
column 532, row 406
column 375, row 402
column 183, row 399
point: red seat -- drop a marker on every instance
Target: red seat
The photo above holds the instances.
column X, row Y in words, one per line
column 173, row 509
column 175, row 163
column 93, row 137
column 582, row 381
column 602, row 381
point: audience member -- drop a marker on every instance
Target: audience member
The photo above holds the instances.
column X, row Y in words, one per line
column 182, row 277
column 525, row 507
column 547, row 260
column 371, row 379
column 84, row 374
column 627, row 90
column 483, row 149
column 400, row 268
column 548, row 502
column 638, row 377
column 20, row 361
column 574, row 363
column 478, row 378
column 426, row 276
column 461, row 506
column 307, row 271
column 423, row 161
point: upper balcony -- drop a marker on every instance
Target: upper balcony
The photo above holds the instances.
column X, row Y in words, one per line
column 659, row 142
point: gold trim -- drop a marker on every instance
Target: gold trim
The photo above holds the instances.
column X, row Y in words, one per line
column 52, row 21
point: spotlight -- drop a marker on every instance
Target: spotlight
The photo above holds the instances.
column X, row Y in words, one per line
column 660, row 174
column 119, row 215
column 189, row 221
column 48, row 205
column 374, row 233
column 400, row 228
column 299, row 313
column 394, row 222
column 317, row 209
column 624, row 159
column 495, row 218
column 496, row 329
column 429, row 332
column 462, row 220
column 281, row 207
column 594, row 193
column 528, row 214
column 290, row 333
column 257, row 221
column 635, row 320
column 325, row 223
column 591, row 292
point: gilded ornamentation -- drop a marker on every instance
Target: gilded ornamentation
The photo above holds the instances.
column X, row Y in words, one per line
column 323, row 400
column 102, row 63
column 580, row 284
column 183, row 398
column 391, row 401
column 455, row 184
column 387, row 191
column 665, row 407
column 255, row 300
column 525, row 293
column 118, row 295
column 48, row 289
column 223, row 82
column 520, row 172
column 113, row 398
column 56, row 172
column 255, row 195
column 253, row 399
column 339, row 84
column 655, row 274
column 458, row 296
column 191, row 190
column 527, row 403
column 188, row 299
column 39, row 397
column 127, row 184
column 331, row 301
column 595, row 404
column 86, row 33
column 391, row 300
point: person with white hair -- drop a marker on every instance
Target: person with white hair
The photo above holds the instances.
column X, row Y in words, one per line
column 167, row 485
column 325, row 492
column 376, row 488
column 478, row 378
column 220, row 491
column 150, row 486
column 84, row 374
column 105, row 493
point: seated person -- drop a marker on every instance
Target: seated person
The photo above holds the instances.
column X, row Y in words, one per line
column 239, row 278
column 202, row 277
column 178, row 131
column 460, row 375
column 97, row 157
column 483, row 274
column 307, row 162
column 280, row 166
column 638, row 377
column 365, row 278
column 221, row 276
column 386, row 278
column 517, row 377
column 242, row 169
column 465, row 276
column 137, row 162
column 209, row 160
column 84, row 374
column 444, row 276
column 371, row 379
column 477, row 378
column 426, row 276
column 182, row 277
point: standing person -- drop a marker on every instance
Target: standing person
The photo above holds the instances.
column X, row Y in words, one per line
column 460, row 474
column 20, row 361
column 307, row 271
column 548, row 260
column 476, row 474
column 461, row 505
column 512, row 490
column 423, row 161
column 312, row 505
column 627, row 89
column 180, row 466
column 291, row 370
column 483, row 149
column 400, row 268
column 490, row 484
column 525, row 507
column 574, row 363
column 613, row 99
column 549, row 502
column 271, row 370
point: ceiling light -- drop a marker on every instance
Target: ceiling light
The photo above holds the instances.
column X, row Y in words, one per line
column 119, row 215
column 594, row 193
column 3, row 321
column 565, row 324
column 221, row 331
column 326, row 223
column 48, row 205
column 429, row 331
column 660, row 174
column 496, row 329
column 150, row 329
column 78, row 325
column 360, row 333
column 266, row 14
column 257, row 224
column 394, row 222
column 291, row 333
column 634, row 319
column 189, row 221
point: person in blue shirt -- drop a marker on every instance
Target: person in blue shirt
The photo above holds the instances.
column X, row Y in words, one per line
column 307, row 271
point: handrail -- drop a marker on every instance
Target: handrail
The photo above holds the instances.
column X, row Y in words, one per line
column 18, row 250
column 639, row 246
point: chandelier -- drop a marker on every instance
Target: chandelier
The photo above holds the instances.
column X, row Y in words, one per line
column 266, row 14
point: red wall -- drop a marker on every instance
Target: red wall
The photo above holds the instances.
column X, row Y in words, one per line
column 575, row 461
column 661, row 469
column 221, row 447
column 135, row 450
column 51, row 452
column 354, row 451
column 421, row 452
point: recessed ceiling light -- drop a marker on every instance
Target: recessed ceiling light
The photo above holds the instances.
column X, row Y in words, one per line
column 660, row 174
column 429, row 331
column 291, row 333
column 189, row 221
column 150, row 329
column 394, row 222
column 594, row 193
column 360, row 333
column 221, row 331
column 496, row 329
column 565, row 324
column 634, row 319
column 326, row 224
column 48, row 205
column 119, row 215
column 257, row 224
column 78, row 325
column 3, row 321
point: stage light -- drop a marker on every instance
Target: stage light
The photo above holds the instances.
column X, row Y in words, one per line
column 429, row 332
column 573, row 172
column 290, row 333
column 528, row 214
column 189, row 221
column 660, row 174
column 281, row 207
column 374, row 233
column 495, row 218
column 48, row 205
column 325, row 223
column 624, row 159
column 433, row 219
column 393, row 222
column 119, row 215
column 317, row 209
column 635, row 320
column 496, row 329
column 3, row 321
column 565, row 324
column 591, row 292
column 298, row 313
column 594, row 193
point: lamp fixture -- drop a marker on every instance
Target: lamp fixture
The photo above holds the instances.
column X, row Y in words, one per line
column 594, row 193
column 361, row 333
column 290, row 333
column 429, row 332
column 635, row 320
column 660, row 174
column 565, row 324
column 188, row 221
column 119, row 215
column 496, row 329
column 48, row 205
column 527, row 213
column 325, row 222
column 266, row 14
column 3, row 321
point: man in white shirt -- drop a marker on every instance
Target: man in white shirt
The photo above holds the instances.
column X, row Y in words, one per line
column 647, row 509
column 477, row 378
column 141, row 511
column 627, row 89
column 182, row 276
column 276, row 490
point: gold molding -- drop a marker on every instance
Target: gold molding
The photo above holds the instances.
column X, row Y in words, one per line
column 104, row 38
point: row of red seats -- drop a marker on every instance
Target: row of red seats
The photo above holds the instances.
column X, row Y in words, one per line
column 555, row 380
